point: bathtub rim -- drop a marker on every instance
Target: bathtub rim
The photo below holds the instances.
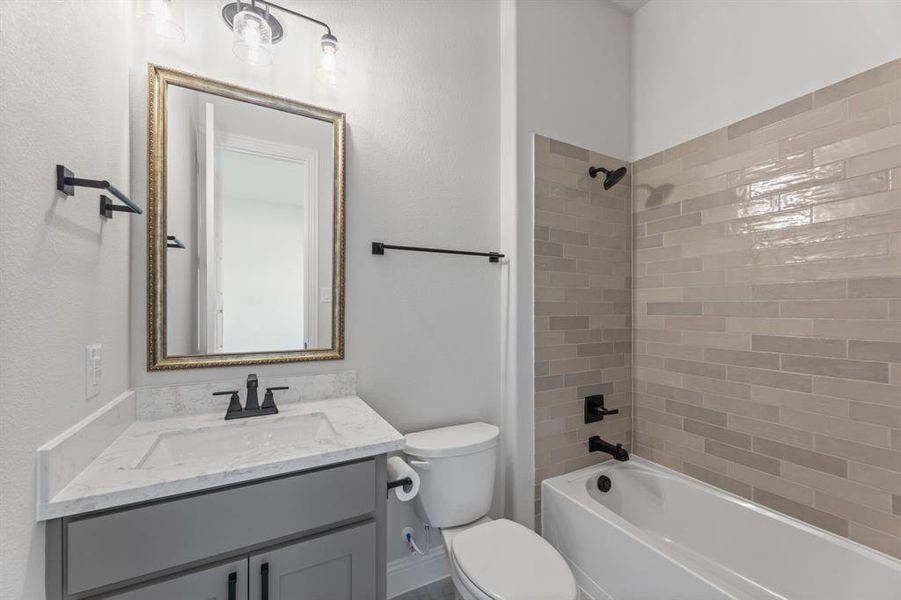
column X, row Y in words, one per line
column 627, row 526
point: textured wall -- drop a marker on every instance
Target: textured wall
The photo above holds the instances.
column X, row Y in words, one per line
column 63, row 270
column 583, row 264
column 701, row 64
column 768, row 307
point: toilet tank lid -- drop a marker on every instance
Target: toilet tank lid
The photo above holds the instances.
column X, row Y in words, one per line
column 452, row 441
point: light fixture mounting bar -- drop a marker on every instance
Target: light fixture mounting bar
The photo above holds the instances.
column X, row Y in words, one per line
column 295, row 13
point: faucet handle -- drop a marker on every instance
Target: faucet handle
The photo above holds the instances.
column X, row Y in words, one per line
column 234, row 404
column 269, row 406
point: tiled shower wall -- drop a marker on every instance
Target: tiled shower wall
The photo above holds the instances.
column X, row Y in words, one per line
column 768, row 309
column 583, row 305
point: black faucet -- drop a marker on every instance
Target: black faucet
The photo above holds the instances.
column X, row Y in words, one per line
column 252, row 406
column 596, row 444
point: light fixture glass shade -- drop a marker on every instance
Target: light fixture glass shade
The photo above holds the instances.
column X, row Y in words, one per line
column 165, row 18
column 328, row 72
column 253, row 37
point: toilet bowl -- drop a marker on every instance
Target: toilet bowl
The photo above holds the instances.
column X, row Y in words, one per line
column 490, row 559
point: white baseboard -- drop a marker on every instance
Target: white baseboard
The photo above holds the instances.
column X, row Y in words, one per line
column 414, row 571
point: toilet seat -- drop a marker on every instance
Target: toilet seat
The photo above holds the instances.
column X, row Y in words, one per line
column 502, row 560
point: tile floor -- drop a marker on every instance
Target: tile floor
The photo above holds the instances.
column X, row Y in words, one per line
column 443, row 589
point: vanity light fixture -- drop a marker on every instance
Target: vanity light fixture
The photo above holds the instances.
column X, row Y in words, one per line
column 166, row 18
column 256, row 29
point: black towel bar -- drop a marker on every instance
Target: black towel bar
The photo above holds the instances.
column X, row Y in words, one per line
column 66, row 182
column 380, row 247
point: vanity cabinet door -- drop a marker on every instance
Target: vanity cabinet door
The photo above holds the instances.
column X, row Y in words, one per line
column 335, row 566
column 224, row 582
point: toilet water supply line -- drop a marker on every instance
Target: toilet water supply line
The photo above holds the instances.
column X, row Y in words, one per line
column 414, row 549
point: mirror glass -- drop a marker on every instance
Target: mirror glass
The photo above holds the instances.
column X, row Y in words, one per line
column 250, row 228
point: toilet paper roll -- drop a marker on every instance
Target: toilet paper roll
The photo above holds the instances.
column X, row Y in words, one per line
column 399, row 469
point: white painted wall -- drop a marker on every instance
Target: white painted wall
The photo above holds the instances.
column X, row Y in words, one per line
column 64, row 271
column 421, row 95
column 565, row 68
column 699, row 65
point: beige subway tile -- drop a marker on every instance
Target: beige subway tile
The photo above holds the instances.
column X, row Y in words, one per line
column 854, row 187
column 744, row 408
column 647, row 162
column 720, row 434
column 659, row 253
column 862, row 144
column 761, row 360
column 697, row 413
column 856, row 207
column 741, row 210
column 806, row 121
column 718, row 480
column 872, row 455
column 555, row 308
column 864, row 433
column 569, row 150
column 743, row 457
column 733, row 193
column 864, row 225
column 674, row 393
column 839, row 487
column 876, row 477
column 858, row 390
column 866, row 329
column 742, row 309
column 569, row 365
column 880, row 414
column 730, row 293
column 658, row 335
column 714, row 146
column 560, row 323
column 805, row 290
column 771, row 431
column 868, row 536
column 796, row 179
column 674, row 223
column 877, row 519
column 816, row 403
column 694, row 279
column 813, row 516
column 880, row 351
column 752, row 156
column 857, row 124
column 674, row 436
column 708, row 461
column 658, row 376
column 773, row 115
column 801, row 456
column 836, row 309
column 887, row 158
column 862, row 82
column 735, row 341
column 836, row 348
column 776, row 379
column 871, row 266
column 701, row 369
column 675, row 351
column 695, row 145
column 771, row 222
column 674, row 308
column 836, row 367
column 771, row 483
column 884, row 95
column 769, row 170
column 695, row 323
column 716, row 386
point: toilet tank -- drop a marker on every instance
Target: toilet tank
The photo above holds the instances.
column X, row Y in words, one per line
column 456, row 467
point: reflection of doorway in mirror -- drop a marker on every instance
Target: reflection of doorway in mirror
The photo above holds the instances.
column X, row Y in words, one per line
column 262, row 263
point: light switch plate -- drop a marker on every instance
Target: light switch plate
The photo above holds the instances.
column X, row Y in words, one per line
column 93, row 368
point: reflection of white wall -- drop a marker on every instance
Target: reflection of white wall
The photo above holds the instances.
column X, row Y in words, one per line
column 263, row 258
column 181, row 213
column 262, row 274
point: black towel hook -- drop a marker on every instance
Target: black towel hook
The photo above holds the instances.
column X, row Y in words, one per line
column 66, row 182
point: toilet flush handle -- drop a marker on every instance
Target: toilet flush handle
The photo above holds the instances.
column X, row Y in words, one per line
column 419, row 464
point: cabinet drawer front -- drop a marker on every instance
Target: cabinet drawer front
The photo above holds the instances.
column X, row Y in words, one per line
column 119, row 546
column 225, row 582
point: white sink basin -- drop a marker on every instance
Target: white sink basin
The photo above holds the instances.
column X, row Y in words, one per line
column 256, row 435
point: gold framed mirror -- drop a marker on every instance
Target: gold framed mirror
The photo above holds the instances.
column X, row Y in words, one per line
column 245, row 226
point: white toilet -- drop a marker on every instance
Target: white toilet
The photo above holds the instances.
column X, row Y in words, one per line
column 490, row 560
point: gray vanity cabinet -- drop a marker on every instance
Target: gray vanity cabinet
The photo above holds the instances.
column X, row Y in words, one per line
column 318, row 534
column 225, row 582
column 338, row 566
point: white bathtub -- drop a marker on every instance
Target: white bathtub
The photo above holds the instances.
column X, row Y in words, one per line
column 659, row 535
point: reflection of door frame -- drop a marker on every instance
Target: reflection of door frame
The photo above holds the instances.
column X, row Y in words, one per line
column 308, row 158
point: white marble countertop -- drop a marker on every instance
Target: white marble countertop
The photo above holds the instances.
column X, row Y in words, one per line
column 118, row 476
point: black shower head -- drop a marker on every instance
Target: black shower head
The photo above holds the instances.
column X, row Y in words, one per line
column 611, row 177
